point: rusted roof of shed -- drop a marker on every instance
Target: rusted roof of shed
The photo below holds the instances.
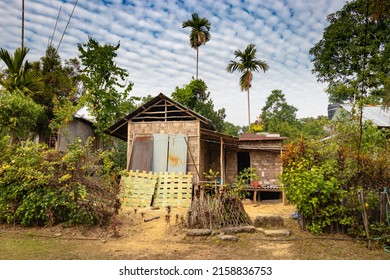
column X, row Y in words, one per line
column 261, row 137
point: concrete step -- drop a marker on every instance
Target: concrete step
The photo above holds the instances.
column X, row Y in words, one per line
column 275, row 232
column 269, row 221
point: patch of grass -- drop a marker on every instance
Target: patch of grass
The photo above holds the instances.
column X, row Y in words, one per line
column 26, row 246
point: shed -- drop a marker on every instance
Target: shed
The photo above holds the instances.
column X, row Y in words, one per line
column 375, row 113
column 261, row 151
column 164, row 136
column 82, row 127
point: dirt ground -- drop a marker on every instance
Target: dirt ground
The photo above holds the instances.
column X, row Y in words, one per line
column 159, row 239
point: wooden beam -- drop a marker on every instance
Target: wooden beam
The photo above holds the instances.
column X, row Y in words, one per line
column 162, row 118
column 222, row 162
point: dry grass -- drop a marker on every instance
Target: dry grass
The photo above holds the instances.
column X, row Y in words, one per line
column 160, row 240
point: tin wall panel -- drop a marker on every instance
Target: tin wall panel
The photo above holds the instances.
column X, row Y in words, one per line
column 177, row 153
column 160, row 152
column 142, row 153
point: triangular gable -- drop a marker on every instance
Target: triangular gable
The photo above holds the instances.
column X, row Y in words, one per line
column 160, row 108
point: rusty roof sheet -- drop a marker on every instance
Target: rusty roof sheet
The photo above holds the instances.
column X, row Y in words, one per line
column 261, row 137
column 378, row 115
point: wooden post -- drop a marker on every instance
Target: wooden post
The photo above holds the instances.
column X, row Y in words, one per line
column 222, row 162
column 365, row 218
column 129, row 146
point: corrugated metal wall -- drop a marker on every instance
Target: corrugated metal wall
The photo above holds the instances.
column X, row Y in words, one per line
column 142, row 153
column 160, row 152
column 177, row 153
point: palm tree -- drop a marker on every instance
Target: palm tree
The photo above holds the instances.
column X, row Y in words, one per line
column 199, row 35
column 247, row 64
column 19, row 76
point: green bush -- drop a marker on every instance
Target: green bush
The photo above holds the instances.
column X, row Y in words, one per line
column 39, row 186
column 323, row 179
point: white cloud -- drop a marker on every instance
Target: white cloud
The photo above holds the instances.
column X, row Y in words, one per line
column 156, row 52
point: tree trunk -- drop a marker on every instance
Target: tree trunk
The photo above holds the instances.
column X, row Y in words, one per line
column 249, row 112
column 22, row 24
column 197, row 61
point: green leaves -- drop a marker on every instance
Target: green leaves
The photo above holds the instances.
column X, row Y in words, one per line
column 19, row 76
column 19, row 115
column 322, row 178
column 40, row 186
column 195, row 96
column 246, row 64
column 102, row 78
column 354, row 52
column 200, row 28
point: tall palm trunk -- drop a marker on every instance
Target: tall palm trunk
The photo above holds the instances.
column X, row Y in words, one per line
column 197, row 61
column 249, row 112
column 22, row 24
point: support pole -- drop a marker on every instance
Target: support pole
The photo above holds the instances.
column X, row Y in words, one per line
column 222, row 162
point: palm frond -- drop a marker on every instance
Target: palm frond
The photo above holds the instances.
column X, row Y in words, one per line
column 6, row 58
column 200, row 28
column 234, row 66
column 246, row 80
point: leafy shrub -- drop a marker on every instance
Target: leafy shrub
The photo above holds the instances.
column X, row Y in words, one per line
column 324, row 178
column 39, row 186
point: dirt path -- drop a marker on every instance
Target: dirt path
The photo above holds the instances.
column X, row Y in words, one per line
column 160, row 240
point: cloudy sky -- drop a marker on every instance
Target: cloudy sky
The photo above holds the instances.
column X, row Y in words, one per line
column 156, row 52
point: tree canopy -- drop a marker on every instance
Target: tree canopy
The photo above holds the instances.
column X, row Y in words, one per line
column 200, row 34
column 102, row 79
column 19, row 75
column 280, row 117
column 246, row 65
column 354, row 53
column 195, row 96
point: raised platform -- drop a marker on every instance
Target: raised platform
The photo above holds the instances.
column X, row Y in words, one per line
column 266, row 188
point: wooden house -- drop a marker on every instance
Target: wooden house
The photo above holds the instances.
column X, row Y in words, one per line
column 165, row 136
column 80, row 127
column 261, row 151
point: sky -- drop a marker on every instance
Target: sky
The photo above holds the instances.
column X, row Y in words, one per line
column 155, row 49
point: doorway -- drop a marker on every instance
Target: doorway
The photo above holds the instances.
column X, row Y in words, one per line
column 243, row 161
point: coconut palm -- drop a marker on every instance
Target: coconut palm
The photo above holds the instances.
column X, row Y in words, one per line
column 247, row 64
column 19, row 76
column 199, row 35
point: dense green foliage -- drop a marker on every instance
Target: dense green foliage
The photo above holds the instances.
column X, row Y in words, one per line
column 101, row 79
column 62, row 88
column 354, row 51
column 39, row 186
column 324, row 178
column 195, row 96
column 19, row 115
column 19, row 75
column 278, row 116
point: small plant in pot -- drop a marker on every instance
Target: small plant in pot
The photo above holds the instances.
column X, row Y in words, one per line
column 248, row 176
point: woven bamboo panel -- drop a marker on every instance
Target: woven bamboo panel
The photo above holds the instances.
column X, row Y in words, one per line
column 138, row 188
column 173, row 190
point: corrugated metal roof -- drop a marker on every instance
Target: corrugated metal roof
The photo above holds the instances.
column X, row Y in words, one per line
column 83, row 113
column 379, row 116
column 261, row 137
